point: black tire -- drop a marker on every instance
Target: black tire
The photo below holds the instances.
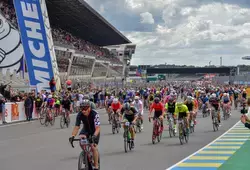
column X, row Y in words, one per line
column 186, row 136
column 181, row 135
column 125, row 141
column 52, row 121
column 62, row 121
column 67, row 121
column 159, row 137
column 170, row 131
column 42, row 117
column 46, row 121
column 81, row 162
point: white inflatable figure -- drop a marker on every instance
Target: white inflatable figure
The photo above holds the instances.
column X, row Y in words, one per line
column 11, row 48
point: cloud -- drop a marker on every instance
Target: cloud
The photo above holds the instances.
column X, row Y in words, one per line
column 182, row 32
column 147, row 18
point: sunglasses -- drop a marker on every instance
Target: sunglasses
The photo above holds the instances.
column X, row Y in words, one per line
column 85, row 108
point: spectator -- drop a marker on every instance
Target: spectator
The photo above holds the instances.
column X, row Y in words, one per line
column 52, row 85
column 27, row 106
column 2, row 108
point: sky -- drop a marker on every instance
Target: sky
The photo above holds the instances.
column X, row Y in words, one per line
column 182, row 32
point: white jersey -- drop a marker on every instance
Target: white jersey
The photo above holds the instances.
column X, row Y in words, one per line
column 138, row 106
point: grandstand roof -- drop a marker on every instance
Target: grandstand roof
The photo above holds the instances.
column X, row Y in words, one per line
column 78, row 18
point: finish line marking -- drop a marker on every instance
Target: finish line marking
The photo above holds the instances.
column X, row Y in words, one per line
column 184, row 163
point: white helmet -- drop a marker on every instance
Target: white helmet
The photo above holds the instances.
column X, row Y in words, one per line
column 137, row 97
column 189, row 98
column 115, row 100
column 225, row 94
column 50, row 96
column 213, row 95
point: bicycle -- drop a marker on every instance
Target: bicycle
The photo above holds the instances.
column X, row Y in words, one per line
column 215, row 120
column 157, row 130
column 127, row 136
column 225, row 109
column 115, row 123
column 65, row 119
column 183, row 134
column 86, row 158
column 42, row 114
column 49, row 117
column 171, row 125
column 192, row 125
column 138, row 125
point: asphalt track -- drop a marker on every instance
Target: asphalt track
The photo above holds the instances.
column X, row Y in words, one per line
column 30, row 146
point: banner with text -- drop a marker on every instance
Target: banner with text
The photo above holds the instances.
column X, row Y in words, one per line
column 36, row 49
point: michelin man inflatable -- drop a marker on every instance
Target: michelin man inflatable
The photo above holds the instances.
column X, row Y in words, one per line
column 11, row 48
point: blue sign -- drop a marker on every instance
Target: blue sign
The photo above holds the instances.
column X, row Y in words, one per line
column 35, row 44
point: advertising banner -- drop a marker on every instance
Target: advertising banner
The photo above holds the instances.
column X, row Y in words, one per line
column 14, row 112
column 35, row 44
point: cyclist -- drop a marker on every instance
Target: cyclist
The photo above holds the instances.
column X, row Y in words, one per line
column 57, row 105
column 215, row 103
column 116, row 107
column 226, row 101
column 67, row 105
column 170, row 108
column 139, row 107
column 158, row 108
column 182, row 112
column 130, row 115
column 50, row 103
column 190, row 104
column 91, row 127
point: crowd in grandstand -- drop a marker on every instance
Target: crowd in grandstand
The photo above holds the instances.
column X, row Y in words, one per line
column 63, row 37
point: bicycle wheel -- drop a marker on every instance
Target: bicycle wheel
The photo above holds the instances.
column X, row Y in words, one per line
column 170, row 129
column 67, row 121
column 186, row 135
column 47, row 120
column 125, row 136
column 42, row 117
column 81, row 161
column 181, row 135
column 153, row 135
column 52, row 120
column 62, row 121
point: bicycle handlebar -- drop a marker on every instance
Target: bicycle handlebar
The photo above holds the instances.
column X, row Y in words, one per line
column 79, row 139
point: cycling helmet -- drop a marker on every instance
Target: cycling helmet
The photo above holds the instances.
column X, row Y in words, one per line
column 115, row 100
column 86, row 97
column 171, row 100
column 130, row 100
column 224, row 94
column 213, row 95
column 137, row 97
column 85, row 103
column 189, row 98
column 126, row 106
column 157, row 100
column 50, row 96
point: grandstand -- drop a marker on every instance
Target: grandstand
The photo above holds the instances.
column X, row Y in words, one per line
column 81, row 41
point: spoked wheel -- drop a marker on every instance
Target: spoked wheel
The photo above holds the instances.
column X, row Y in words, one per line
column 67, row 121
column 153, row 136
column 47, row 120
column 159, row 136
column 125, row 136
column 170, row 131
column 42, row 118
column 83, row 162
column 62, row 121
column 186, row 135
column 181, row 135
column 215, row 124
column 52, row 120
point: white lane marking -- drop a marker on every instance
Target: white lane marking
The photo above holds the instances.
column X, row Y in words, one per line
column 175, row 165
